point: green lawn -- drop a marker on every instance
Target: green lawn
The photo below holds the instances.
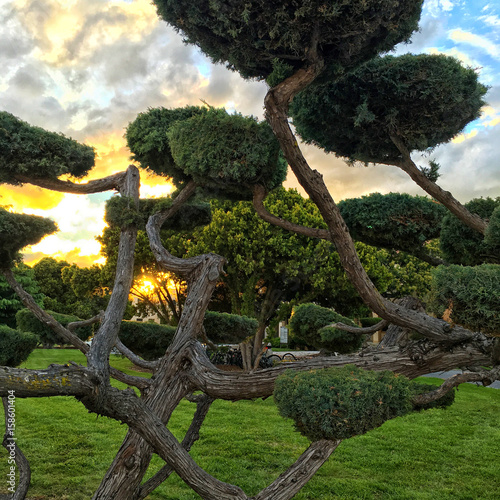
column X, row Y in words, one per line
column 440, row 454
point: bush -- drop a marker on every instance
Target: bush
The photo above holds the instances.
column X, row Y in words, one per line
column 15, row 346
column 462, row 245
column 27, row 322
column 148, row 340
column 472, row 292
column 223, row 328
column 338, row 403
column 307, row 328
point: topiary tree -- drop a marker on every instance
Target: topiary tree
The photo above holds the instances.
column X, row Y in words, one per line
column 292, row 45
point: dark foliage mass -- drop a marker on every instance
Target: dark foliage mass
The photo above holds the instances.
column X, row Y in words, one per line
column 393, row 221
column 20, row 230
column 227, row 151
column 221, row 151
column 424, row 100
column 148, row 340
column 15, row 346
column 307, row 327
column 147, row 139
column 257, row 36
column 120, row 212
column 223, row 328
column 28, row 322
column 473, row 293
column 462, row 245
column 35, row 152
column 338, row 403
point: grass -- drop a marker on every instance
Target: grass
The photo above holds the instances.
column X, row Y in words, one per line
column 438, row 454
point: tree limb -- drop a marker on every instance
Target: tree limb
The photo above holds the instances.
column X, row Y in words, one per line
column 357, row 330
column 203, row 403
column 290, row 482
column 96, row 186
column 445, row 197
column 259, row 195
column 486, row 377
column 79, row 324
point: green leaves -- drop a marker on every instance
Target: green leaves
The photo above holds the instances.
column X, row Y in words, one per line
column 338, row 403
column 227, row 151
column 15, row 346
column 34, row 152
column 20, row 230
column 424, row 100
column 250, row 36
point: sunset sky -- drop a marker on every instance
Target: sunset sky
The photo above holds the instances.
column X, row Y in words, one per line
column 86, row 68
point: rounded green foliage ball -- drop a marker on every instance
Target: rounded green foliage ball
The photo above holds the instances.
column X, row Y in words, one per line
column 338, row 403
column 227, row 151
column 462, row 245
column 15, row 346
column 424, row 100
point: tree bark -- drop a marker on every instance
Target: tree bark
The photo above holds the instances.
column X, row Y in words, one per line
column 445, row 197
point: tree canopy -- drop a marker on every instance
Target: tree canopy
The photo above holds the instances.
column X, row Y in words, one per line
column 216, row 149
column 31, row 151
column 20, row 230
column 424, row 100
column 255, row 37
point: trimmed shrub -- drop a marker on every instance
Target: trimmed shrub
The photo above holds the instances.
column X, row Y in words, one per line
column 472, row 292
column 223, row 328
column 15, row 346
column 462, row 245
column 338, row 403
column 307, row 328
column 148, row 340
column 27, row 322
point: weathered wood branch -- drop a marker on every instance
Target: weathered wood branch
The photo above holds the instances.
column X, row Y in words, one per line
column 203, row 403
column 107, row 334
column 361, row 331
column 125, row 406
column 417, row 359
column 444, row 197
column 485, row 377
column 137, row 360
column 259, row 195
column 114, row 181
column 296, row 477
column 56, row 380
column 183, row 267
column 15, row 456
column 64, row 333
column 87, row 322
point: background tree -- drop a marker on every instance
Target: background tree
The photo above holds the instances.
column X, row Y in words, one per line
column 9, row 300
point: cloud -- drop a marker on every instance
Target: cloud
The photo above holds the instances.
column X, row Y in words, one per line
column 30, row 197
column 481, row 42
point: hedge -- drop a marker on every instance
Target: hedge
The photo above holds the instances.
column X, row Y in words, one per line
column 27, row 322
column 15, row 346
column 223, row 328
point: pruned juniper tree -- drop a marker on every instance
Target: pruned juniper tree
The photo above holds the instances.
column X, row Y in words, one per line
column 293, row 46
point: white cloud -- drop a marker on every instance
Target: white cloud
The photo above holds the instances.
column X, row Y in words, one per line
column 481, row 42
